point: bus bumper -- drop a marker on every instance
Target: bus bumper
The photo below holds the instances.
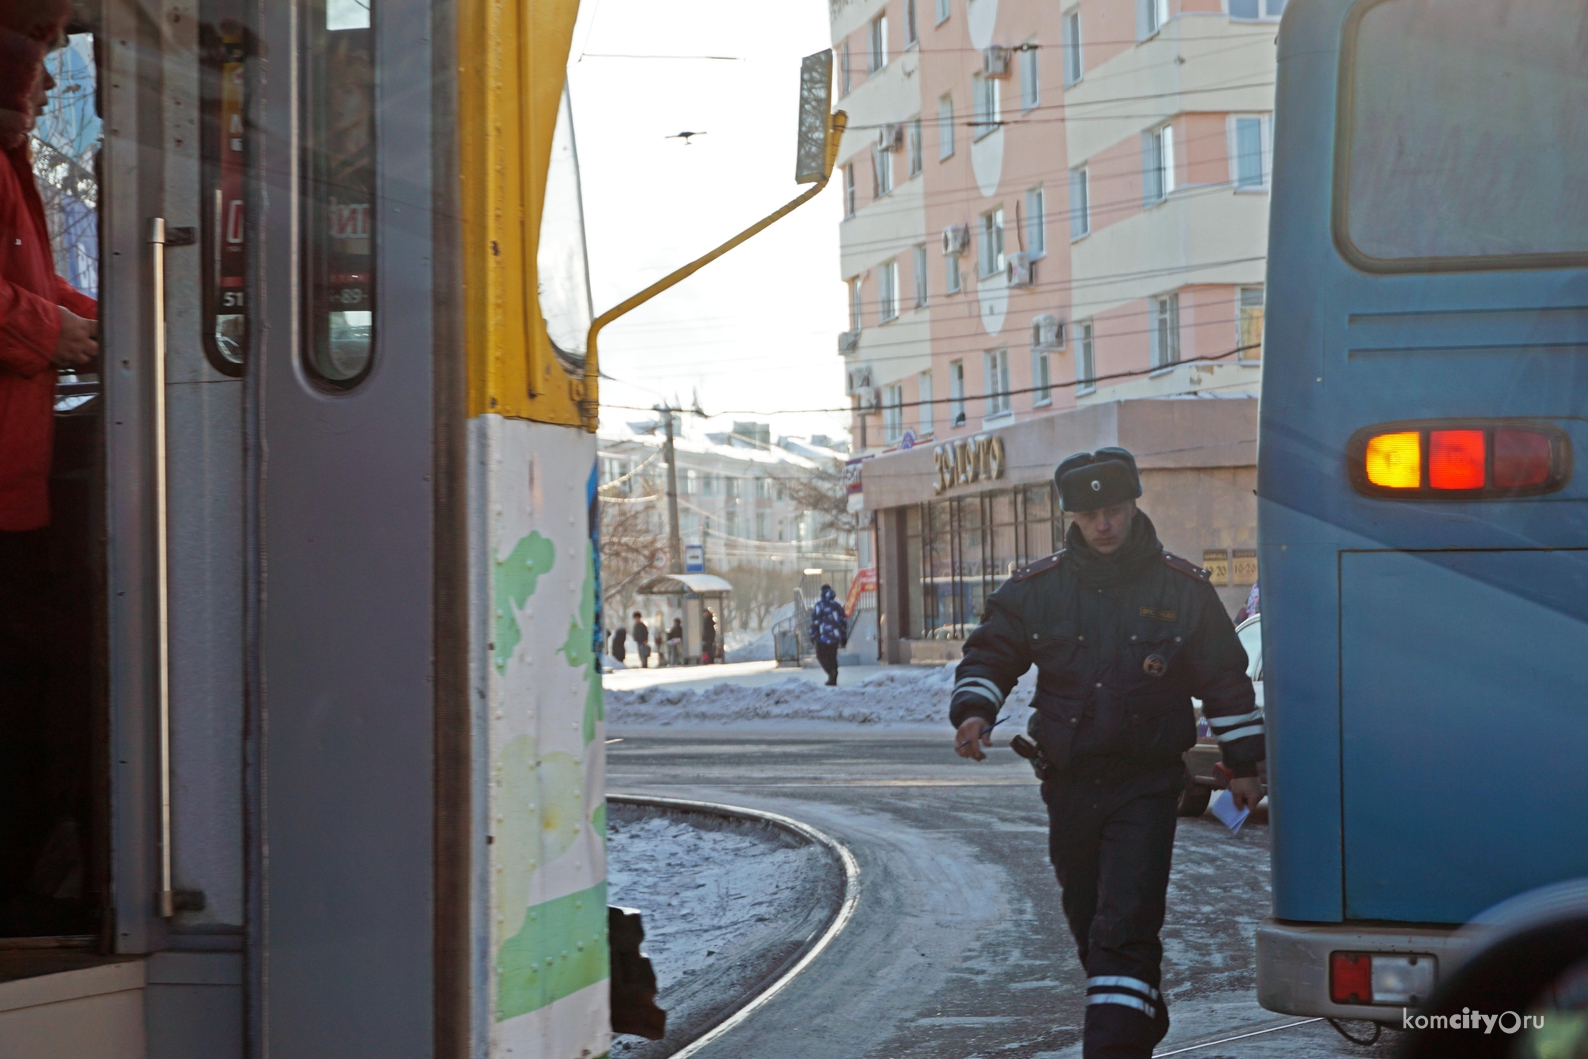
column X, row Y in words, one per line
column 1293, row 962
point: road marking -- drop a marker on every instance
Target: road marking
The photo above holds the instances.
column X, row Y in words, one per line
column 1237, row 1037
column 846, row 911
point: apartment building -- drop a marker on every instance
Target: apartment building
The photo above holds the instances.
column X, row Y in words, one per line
column 1054, row 238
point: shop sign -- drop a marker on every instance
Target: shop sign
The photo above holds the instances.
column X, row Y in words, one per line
column 1216, row 561
column 967, row 461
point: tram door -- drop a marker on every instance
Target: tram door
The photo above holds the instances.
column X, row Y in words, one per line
column 340, row 419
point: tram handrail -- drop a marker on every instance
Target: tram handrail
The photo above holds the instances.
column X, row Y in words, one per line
column 585, row 387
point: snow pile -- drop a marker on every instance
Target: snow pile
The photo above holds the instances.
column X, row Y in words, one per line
column 702, row 892
column 747, row 647
column 898, row 695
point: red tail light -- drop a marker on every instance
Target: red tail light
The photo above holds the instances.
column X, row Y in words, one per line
column 1521, row 458
column 1459, row 460
column 1350, row 978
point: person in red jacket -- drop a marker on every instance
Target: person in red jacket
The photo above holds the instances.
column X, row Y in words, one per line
column 45, row 326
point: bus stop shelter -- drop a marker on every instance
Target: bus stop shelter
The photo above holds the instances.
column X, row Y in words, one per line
column 692, row 594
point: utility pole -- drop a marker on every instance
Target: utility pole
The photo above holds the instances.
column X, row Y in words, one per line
column 675, row 547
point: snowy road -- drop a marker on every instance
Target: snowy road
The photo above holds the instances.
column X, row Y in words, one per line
column 958, row 948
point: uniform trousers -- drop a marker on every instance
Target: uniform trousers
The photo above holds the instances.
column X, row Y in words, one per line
column 1111, row 838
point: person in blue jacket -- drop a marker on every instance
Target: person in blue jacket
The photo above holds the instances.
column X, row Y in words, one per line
column 829, row 632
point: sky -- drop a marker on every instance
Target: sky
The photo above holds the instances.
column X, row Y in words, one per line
column 756, row 330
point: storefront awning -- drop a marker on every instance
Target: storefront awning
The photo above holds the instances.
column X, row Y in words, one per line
column 682, row 584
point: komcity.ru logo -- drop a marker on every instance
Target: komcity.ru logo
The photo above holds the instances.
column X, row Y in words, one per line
column 1506, row 1021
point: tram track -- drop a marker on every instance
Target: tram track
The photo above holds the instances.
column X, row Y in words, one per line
column 723, row 1021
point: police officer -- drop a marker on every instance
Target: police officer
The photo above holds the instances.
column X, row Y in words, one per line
column 1123, row 634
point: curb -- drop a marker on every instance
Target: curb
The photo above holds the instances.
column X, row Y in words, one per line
column 813, row 946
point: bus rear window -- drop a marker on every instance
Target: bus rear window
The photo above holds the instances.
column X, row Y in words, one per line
column 1463, row 142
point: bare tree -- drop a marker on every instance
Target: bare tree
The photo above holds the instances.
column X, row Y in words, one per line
column 632, row 539
column 821, row 491
column 757, row 592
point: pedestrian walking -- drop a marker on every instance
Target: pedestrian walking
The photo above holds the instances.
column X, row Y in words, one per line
column 1123, row 634
column 620, row 637
column 829, row 632
column 642, row 640
column 708, row 637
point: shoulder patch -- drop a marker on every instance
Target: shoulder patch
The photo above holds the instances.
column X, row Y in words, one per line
column 1185, row 566
column 1046, row 563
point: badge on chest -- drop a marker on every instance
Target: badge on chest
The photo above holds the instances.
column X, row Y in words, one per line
column 1155, row 665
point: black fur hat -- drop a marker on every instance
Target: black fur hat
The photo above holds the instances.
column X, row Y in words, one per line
column 1091, row 480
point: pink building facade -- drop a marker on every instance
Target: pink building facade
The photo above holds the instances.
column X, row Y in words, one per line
column 1055, row 210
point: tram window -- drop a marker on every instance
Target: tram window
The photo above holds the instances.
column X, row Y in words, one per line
column 225, row 160
column 1464, row 140
column 561, row 268
column 339, row 181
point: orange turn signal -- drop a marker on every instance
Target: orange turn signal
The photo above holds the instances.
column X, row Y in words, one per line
column 1395, row 461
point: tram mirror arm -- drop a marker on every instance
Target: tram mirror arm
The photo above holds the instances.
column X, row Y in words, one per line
column 585, row 387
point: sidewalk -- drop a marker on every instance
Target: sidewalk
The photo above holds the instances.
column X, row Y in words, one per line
column 746, row 674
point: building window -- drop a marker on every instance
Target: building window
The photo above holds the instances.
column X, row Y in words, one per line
column 1085, row 360
column 1257, row 9
column 888, row 291
column 924, row 396
column 1250, row 152
column 985, row 95
column 854, row 305
column 879, row 43
column 782, row 530
column 882, row 172
column 849, row 190
column 763, row 489
column 996, row 364
column 892, row 414
column 1030, row 87
column 951, row 273
column 958, row 550
column 1249, row 336
column 920, row 276
column 1154, row 14
column 990, row 244
column 846, row 67
column 1041, row 377
column 1166, row 331
column 945, row 127
column 956, row 393
column 942, row 11
column 912, row 35
column 730, row 487
column 1036, row 223
column 916, row 152
column 1158, row 164
column 1080, row 203
column 1072, row 48
column 763, row 520
column 691, row 482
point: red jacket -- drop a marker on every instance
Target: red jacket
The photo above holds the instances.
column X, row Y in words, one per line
column 30, row 323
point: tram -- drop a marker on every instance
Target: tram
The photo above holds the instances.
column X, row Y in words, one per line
column 1421, row 521
column 322, row 773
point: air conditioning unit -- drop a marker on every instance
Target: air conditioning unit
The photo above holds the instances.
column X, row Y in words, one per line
column 890, row 137
column 1047, row 332
column 859, row 382
column 848, row 342
column 1020, row 270
column 995, row 61
column 870, row 399
column 956, row 240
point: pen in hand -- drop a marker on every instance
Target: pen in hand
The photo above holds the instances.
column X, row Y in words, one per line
column 984, row 731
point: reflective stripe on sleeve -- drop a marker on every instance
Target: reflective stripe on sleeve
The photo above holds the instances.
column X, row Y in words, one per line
column 980, row 686
column 1240, row 733
column 1125, row 999
column 1119, row 981
column 1230, row 722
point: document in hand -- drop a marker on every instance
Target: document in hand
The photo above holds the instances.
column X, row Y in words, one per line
column 1223, row 806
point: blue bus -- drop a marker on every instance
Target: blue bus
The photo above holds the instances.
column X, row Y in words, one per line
column 1424, row 535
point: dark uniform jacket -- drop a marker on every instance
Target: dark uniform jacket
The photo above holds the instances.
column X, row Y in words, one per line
column 1121, row 645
